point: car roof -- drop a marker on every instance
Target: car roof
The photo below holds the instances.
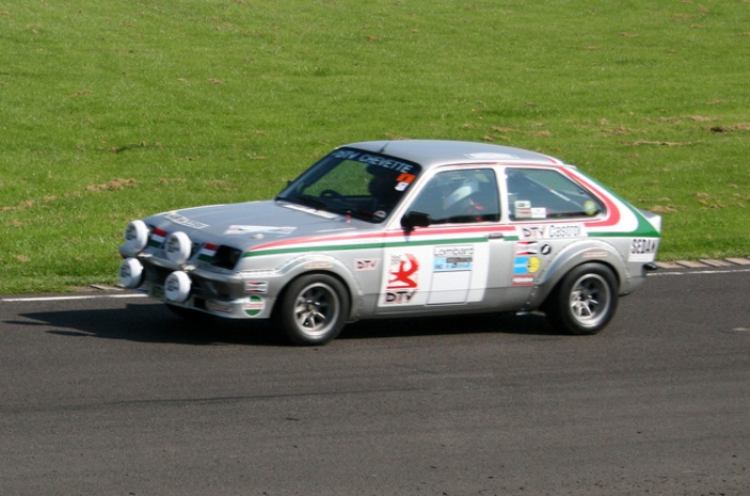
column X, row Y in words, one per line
column 430, row 153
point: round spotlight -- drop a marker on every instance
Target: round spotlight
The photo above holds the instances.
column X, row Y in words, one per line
column 136, row 237
column 131, row 273
column 177, row 286
column 178, row 247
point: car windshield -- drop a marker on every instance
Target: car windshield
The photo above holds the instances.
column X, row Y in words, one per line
column 365, row 185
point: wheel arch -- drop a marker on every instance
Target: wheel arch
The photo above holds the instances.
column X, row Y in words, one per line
column 331, row 273
column 550, row 292
column 592, row 251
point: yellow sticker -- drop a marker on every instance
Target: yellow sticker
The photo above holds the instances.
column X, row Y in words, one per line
column 534, row 264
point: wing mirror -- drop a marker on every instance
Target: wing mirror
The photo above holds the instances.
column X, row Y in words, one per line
column 414, row 219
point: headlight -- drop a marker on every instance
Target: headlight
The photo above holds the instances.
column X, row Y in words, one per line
column 136, row 237
column 177, row 286
column 178, row 247
column 131, row 273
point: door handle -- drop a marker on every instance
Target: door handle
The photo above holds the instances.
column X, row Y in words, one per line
column 496, row 235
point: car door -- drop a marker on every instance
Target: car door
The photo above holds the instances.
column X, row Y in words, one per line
column 445, row 263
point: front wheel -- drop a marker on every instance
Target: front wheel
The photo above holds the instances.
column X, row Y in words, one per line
column 585, row 300
column 313, row 310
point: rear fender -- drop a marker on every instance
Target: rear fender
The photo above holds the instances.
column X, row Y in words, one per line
column 572, row 256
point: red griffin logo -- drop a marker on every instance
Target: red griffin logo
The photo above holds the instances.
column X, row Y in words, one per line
column 404, row 276
column 402, row 285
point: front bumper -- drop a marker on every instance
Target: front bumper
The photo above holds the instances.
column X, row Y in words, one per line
column 226, row 294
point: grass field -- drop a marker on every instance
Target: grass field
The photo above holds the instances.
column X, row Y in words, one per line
column 111, row 110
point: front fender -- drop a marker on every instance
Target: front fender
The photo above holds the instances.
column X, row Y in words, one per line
column 322, row 263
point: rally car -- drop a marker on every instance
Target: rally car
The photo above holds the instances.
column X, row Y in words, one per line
column 402, row 228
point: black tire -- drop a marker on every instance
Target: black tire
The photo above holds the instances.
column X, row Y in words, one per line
column 585, row 300
column 313, row 309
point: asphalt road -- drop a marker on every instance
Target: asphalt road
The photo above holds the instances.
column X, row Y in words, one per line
column 117, row 397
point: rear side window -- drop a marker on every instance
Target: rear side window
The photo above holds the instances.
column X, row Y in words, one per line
column 537, row 194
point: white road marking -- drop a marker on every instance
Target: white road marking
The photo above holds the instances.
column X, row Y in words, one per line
column 71, row 298
column 143, row 295
column 698, row 272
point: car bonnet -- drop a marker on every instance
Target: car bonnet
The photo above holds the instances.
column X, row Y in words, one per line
column 244, row 225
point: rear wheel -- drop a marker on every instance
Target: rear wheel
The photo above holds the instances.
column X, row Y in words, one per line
column 313, row 310
column 585, row 300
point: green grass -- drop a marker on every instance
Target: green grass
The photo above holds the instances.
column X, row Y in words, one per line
column 111, row 110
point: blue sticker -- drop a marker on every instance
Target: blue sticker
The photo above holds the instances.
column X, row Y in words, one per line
column 520, row 266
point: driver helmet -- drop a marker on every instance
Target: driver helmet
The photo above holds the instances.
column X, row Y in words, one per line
column 461, row 192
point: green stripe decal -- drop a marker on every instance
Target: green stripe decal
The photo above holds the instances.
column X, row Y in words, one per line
column 365, row 246
column 644, row 229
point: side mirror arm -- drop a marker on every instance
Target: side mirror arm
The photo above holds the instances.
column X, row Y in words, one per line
column 414, row 219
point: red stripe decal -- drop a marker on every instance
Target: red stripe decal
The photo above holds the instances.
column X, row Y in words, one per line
column 613, row 213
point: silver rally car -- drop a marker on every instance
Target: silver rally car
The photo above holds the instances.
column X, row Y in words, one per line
column 402, row 229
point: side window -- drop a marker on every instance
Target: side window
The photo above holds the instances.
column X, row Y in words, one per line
column 546, row 194
column 459, row 196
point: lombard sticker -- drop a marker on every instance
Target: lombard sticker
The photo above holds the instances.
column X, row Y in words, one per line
column 254, row 306
column 238, row 230
column 176, row 218
column 643, row 249
column 453, row 258
column 403, row 279
column 365, row 264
